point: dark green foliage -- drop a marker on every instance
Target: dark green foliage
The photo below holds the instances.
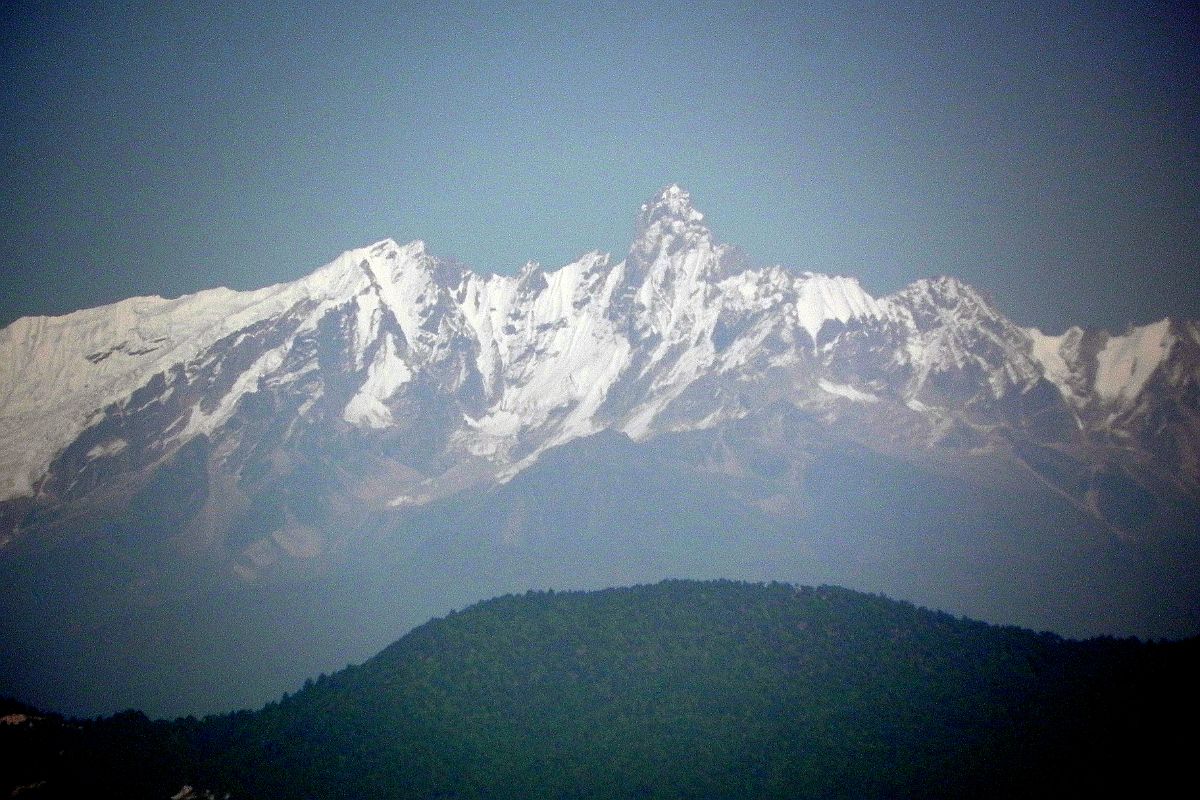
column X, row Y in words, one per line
column 681, row 689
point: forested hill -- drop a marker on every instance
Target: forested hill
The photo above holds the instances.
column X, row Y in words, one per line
column 680, row 689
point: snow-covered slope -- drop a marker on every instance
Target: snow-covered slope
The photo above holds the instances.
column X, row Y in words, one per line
column 60, row 374
column 1110, row 380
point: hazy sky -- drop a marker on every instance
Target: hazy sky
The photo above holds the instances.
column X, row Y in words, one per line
column 1047, row 154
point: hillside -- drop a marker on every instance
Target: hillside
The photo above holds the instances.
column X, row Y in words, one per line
column 679, row 689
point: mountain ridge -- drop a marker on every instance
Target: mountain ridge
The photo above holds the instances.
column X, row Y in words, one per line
column 662, row 310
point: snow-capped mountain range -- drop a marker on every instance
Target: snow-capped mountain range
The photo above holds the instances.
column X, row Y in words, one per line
column 493, row 370
column 279, row 481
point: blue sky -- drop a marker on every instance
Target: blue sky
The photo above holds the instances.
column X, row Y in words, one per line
column 1048, row 154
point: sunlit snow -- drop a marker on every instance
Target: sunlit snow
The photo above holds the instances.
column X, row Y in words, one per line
column 545, row 351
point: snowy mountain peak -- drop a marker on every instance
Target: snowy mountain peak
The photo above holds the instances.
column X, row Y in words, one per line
column 943, row 291
column 673, row 264
column 389, row 244
column 671, row 211
column 944, row 300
